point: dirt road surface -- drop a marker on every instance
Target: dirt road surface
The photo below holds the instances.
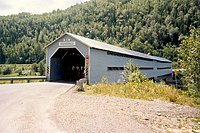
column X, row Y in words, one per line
column 24, row 108
column 80, row 113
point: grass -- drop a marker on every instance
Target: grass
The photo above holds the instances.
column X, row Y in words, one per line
column 144, row 90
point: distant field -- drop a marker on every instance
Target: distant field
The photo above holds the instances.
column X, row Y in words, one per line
column 14, row 70
column 19, row 70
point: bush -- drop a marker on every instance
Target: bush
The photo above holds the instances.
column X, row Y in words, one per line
column 19, row 71
column 35, row 67
column 41, row 68
column 104, row 79
column 132, row 73
column 6, row 70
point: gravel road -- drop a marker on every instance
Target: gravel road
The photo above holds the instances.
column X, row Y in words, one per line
column 55, row 108
column 80, row 113
column 24, row 108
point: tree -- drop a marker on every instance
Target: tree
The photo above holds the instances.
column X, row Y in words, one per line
column 41, row 68
column 132, row 73
column 189, row 60
column 2, row 56
column 143, row 25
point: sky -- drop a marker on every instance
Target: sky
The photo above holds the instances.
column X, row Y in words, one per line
column 8, row 7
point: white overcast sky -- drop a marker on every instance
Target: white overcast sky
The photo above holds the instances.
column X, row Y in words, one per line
column 8, row 7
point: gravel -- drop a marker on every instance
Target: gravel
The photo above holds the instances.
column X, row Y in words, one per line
column 80, row 113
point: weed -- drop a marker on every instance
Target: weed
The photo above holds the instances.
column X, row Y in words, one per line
column 142, row 90
column 196, row 119
column 180, row 126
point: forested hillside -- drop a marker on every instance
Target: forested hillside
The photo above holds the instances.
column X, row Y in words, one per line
column 151, row 26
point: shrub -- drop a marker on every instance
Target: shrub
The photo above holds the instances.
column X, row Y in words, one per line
column 19, row 71
column 41, row 68
column 6, row 70
column 35, row 67
column 132, row 73
column 104, row 79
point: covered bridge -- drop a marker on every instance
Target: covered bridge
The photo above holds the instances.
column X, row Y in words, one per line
column 72, row 57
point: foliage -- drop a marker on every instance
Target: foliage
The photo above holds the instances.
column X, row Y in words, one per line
column 132, row 73
column 189, row 59
column 35, row 67
column 41, row 68
column 18, row 70
column 104, row 79
column 146, row 90
column 6, row 70
column 149, row 26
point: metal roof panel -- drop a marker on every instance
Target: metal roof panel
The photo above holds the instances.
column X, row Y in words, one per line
column 104, row 46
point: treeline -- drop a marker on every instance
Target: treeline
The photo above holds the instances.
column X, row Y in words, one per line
column 151, row 26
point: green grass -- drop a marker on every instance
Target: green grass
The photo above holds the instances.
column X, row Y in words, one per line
column 145, row 90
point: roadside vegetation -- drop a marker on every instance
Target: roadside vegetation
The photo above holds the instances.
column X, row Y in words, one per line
column 136, row 86
column 189, row 61
column 142, row 90
column 21, row 70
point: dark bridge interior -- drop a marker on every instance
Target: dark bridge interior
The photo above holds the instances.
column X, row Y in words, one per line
column 67, row 64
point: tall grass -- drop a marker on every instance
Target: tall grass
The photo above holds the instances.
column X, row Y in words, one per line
column 142, row 90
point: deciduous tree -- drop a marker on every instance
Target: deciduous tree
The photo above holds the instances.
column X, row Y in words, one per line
column 189, row 59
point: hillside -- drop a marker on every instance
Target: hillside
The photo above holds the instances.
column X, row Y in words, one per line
column 151, row 26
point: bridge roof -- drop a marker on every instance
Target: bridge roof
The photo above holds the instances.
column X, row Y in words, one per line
column 108, row 47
